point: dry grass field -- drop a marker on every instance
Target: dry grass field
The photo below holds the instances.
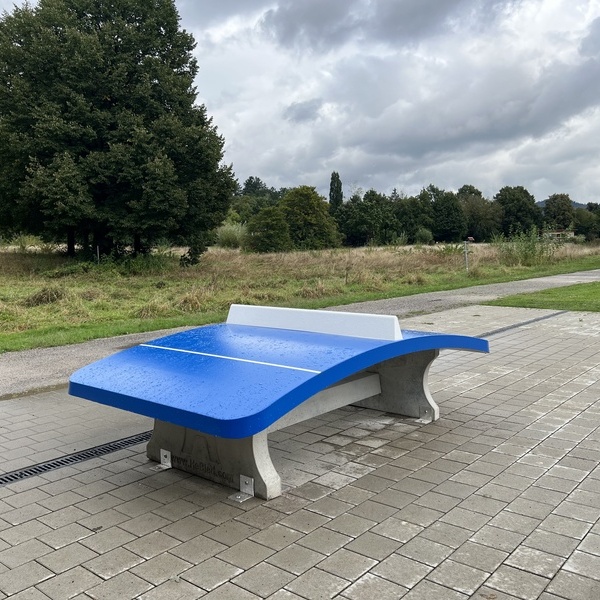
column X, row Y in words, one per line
column 47, row 299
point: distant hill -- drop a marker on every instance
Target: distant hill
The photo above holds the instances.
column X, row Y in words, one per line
column 542, row 203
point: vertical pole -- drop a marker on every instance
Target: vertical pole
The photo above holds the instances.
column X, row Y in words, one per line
column 467, row 255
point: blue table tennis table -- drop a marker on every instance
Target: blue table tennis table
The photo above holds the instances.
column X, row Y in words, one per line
column 216, row 392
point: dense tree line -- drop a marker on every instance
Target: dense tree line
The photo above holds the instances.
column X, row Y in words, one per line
column 101, row 143
column 433, row 215
column 103, row 148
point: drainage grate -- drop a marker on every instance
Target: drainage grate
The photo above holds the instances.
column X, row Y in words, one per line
column 76, row 457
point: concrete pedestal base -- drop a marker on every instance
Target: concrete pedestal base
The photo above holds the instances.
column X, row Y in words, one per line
column 397, row 386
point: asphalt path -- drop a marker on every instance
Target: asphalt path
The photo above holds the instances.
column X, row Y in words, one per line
column 45, row 368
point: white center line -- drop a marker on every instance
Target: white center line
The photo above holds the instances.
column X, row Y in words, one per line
column 245, row 360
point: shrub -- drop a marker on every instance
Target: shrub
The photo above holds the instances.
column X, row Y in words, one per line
column 268, row 231
column 526, row 248
column 423, row 236
column 231, row 235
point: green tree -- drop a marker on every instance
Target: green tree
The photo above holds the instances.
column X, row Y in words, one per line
column 336, row 195
column 100, row 138
column 307, row 215
column 268, row 231
column 413, row 213
column 254, row 186
column 483, row 217
column 368, row 219
column 519, row 211
column 558, row 211
column 587, row 223
column 449, row 221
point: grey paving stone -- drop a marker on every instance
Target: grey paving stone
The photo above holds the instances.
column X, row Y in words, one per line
column 231, row 532
column 211, row 573
column 501, row 539
column 277, row 536
column 296, row 559
column 370, row 586
column 518, row 583
column 401, row 570
column 324, row 540
column 425, row 590
column 304, row 521
column 245, row 554
column 15, row 556
column 479, row 556
column 198, row 549
column 186, row 528
column 446, row 534
column 260, row 517
column 24, row 532
column 107, row 539
column 228, row 591
column 590, row 544
column 397, row 529
column 574, row 587
column 264, row 579
column 535, row 561
column 316, row 584
column 66, row 557
column 125, row 586
column 425, row 551
column 374, row 546
column 582, row 563
column 458, row 577
column 113, row 562
column 565, row 526
column 63, row 536
column 553, row 543
column 347, row 564
column 68, row 584
column 350, row 525
column 152, row 544
column 161, row 568
column 22, row 577
column 174, row 589
column 514, row 522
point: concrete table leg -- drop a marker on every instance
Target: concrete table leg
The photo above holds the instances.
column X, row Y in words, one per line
column 405, row 388
column 221, row 460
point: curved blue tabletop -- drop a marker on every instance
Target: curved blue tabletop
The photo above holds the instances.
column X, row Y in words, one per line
column 236, row 380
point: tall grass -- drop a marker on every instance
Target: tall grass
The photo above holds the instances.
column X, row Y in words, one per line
column 526, row 248
column 48, row 299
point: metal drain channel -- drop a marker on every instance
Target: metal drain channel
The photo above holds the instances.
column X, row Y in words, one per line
column 76, row 457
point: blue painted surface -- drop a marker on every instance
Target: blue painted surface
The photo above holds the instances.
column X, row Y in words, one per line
column 234, row 380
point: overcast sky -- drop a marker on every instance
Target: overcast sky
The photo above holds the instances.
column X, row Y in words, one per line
column 404, row 93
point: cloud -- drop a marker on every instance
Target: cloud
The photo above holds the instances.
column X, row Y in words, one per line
column 303, row 111
column 590, row 45
column 403, row 93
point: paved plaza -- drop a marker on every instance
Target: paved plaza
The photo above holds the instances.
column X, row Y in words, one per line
column 499, row 499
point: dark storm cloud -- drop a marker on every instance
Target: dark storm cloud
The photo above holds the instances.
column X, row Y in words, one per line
column 398, row 21
column 322, row 25
column 313, row 23
column 300, row 112
column 200, row 13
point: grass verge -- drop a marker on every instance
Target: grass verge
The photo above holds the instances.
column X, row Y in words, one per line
column 49, row 300
column 580, row 297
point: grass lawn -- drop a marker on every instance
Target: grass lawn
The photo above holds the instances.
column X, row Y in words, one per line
column 49, row 300
column 584, row 296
